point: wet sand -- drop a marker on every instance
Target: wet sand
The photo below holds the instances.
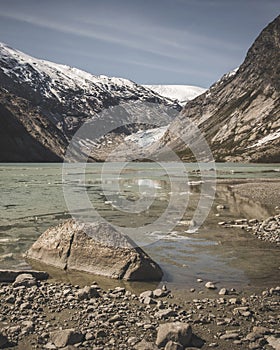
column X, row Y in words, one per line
column 265, row 192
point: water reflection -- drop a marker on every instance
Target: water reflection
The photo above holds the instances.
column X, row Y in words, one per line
column 241, row 207
column 31, row 200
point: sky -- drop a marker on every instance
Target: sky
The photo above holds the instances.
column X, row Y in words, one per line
column 191, row 42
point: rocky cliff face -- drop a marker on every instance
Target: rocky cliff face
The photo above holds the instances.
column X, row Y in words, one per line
column 42, row 104
column 240, row 114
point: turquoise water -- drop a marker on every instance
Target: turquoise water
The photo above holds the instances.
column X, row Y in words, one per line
column 32, row 199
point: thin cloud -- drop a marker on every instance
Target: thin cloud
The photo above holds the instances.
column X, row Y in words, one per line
column 157, row 40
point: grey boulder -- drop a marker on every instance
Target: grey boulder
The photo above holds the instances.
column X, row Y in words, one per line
column 65, row 337
column 96, row 248
column 177, row 332
column 25, row 280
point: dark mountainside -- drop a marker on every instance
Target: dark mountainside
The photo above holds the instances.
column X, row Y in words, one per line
column 42, row 104
column 239, row 115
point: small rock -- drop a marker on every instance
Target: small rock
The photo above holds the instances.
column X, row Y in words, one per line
column 87, row 293
column 89, row 336
column 4, row 342
column 145, row 345
column 120, row 290
column 223, row 291
column 100, row 333
column 221, row 207
column 149, row 301
column 147, row 293
column 176, row 331
column 25, row 306
column 210, row 285
column 50, row 346
column 25, row 280
column 28, row 326
column 258, row 344
column 115, row 318
column 243, row 311
column 158, row 293
column 65, row 337
column 230, row 336
column 273, row 342
column 132, row 341
column 173, row 346
column 10, row 299
column 165, row 313
column 233, row 301
column 261, row 330
column 14, row 330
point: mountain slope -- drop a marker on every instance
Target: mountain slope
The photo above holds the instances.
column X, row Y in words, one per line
column 42, row 104
column 182, row 93
column 239, row 115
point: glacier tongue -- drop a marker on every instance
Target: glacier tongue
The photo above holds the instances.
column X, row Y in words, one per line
column 147, row 137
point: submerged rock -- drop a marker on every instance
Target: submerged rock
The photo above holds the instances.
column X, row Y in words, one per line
column 11, row 275
column 94, row 248
column 25, row 279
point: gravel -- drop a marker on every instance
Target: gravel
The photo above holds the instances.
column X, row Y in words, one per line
column 266, row 230
column 53, row 315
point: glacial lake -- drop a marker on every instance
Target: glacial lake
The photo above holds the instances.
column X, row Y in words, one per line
column 133, row 196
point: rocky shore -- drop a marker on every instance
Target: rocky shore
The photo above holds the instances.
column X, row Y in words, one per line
column 266, row 230
column 50, row 315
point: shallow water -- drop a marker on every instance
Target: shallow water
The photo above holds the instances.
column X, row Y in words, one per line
column 32, row 199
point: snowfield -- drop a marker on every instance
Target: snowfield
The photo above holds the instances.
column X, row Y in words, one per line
column 182, row 93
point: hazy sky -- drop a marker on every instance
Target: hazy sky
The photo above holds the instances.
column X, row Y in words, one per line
column 148, row 41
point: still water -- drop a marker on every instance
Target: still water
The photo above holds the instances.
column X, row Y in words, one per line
column 33, row 199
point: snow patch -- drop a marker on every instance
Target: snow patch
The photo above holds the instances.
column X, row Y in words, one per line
column 266, row 139
column 227, row 76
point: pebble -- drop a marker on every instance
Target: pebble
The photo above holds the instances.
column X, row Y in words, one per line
column 210, row 285
column 229, row 336
column 223, row 291
column 266, row 230
column 115, row 319
column 146, row 294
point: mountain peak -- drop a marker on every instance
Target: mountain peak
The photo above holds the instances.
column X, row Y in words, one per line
column 239, row 112
column 60, row 98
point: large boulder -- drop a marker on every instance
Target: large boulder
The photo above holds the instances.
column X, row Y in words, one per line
column 94, row 248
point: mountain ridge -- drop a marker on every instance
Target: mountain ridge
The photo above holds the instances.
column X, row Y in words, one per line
column 43, row 104
column 239, row 112
column 49, row 102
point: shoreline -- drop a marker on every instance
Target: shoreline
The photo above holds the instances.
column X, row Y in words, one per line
column 48, row 315
column 223, row 317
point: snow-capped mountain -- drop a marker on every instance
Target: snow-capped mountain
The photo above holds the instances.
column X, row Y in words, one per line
column 43, row 103
column 181, row 93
